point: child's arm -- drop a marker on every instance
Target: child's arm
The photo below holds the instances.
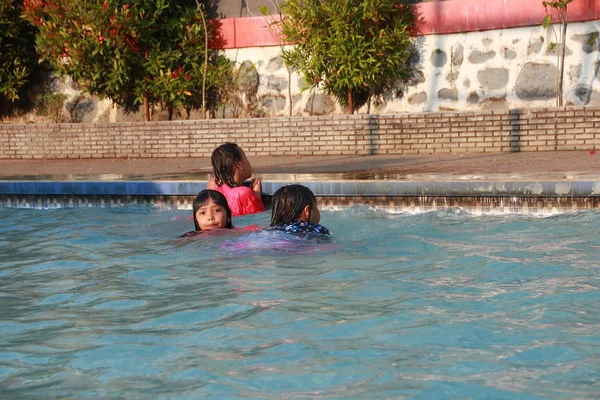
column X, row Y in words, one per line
column 256, row 186
column 249, row 202
column 211, row 184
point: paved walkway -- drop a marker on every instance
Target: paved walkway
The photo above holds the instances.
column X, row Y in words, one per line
column 541, row 166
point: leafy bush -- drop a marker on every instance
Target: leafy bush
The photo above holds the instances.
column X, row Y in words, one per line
column 17, row 53
column 349, row 48
column 51, row 105
column 133, row 52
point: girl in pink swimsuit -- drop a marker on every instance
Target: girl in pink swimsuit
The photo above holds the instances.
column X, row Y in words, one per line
column 231, row 168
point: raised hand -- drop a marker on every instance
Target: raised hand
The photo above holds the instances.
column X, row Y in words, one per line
column 256, row 186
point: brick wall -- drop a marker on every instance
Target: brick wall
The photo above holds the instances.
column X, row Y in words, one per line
column 544, row 129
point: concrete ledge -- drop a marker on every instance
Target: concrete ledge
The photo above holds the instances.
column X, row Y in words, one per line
column 530, row 206
column 320, row 188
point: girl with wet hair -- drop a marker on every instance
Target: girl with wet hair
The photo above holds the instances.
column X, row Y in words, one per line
column 295, row 210
column 231, row 168
column 211, row 212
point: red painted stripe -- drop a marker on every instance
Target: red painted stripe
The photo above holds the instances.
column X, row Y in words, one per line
column 478, row 15
column 254, row 30
column 226, row 33
column 438, row 17
column 238, row 33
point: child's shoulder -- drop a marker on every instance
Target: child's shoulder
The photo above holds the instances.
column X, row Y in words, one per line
column 301, row 227
column 212, row 232
column 190, row 234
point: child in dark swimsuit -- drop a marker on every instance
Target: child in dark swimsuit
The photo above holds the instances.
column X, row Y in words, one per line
column 295, row 211
column 211, row 212
column 231, row 168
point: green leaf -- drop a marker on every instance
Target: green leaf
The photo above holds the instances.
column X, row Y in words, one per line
column 547, row 21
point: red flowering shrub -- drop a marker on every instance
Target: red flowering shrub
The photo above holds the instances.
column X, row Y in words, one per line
column 128, row 50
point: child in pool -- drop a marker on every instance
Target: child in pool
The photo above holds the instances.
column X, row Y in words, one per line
column 231, row 168
column 211, row 212
column 295, row 211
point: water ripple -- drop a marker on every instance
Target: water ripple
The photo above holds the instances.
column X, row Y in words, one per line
column 109, row 303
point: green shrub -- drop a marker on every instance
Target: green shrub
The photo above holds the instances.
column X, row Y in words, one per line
column 51, row 105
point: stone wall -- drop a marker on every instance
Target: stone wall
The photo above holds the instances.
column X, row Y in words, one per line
column 494, row 69
column 542, row 129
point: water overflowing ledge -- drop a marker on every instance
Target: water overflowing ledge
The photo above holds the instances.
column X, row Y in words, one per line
column 477, row 197
column 336, row 188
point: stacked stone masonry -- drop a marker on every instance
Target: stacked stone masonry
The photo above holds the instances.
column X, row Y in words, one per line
column 543, row 129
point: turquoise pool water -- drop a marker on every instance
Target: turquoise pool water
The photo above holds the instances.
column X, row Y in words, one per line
column 108, row 303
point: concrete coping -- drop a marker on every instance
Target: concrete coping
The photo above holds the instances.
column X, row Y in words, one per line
column 337, row 188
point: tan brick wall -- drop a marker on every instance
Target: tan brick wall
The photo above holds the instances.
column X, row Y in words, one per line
column 544, row 129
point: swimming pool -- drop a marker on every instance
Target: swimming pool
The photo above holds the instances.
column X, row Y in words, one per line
column 108, row 303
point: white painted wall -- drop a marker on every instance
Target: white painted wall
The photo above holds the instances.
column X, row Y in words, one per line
column 509, row 52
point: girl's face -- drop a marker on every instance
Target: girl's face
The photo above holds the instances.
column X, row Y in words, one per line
column 244, row 167
column 315, row 214
column 211, row 216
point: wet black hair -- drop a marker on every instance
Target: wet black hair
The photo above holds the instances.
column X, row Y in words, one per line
column 223, row 161
column 288, row 203
column 217, row 198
